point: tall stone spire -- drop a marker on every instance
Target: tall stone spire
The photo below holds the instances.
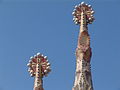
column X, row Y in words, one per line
column 38, row 68
column 83, row 15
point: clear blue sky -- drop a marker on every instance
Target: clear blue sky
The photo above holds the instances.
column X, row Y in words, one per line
column 46, row 26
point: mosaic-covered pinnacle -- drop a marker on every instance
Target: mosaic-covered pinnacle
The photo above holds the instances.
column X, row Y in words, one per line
column 83, row 9
column 41, row 60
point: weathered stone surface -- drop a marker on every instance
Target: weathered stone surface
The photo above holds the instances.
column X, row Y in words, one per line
column 38, row 88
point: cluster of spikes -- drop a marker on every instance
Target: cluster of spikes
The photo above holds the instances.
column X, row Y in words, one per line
column 45, row 65
column 87, row 11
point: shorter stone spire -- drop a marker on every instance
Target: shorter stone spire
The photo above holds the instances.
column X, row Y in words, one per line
column 38, row 68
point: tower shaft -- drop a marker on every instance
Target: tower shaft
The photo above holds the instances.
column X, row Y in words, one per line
column 39, row 67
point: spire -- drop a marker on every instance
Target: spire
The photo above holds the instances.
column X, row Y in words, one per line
column 38, row 68
column 83, row 15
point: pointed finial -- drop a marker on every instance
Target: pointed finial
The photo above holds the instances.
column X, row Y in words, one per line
column 88, row 12
column 33, row 62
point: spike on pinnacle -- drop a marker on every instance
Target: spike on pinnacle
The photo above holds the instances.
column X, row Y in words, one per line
column 82, row 3
column 87, row 11
column 38, row 54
